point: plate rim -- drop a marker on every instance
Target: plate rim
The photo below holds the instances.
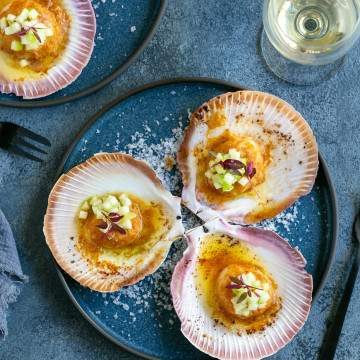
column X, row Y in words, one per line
column 26, row 104
column 206, row 80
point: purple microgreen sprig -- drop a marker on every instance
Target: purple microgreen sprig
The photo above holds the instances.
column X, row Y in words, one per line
column 110, row 225
column 238, row 283
column 25, row 29
column 250, row 170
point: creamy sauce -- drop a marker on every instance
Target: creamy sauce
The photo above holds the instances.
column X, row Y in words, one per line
column 217, row 253
column 148, row 227
column 52, row 14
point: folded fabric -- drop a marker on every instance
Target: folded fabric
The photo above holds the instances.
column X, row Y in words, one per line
column 11, row 275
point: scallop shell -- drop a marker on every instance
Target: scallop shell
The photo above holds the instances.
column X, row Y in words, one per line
column 287, row 268
column 71, row 63
column 103, row 173
column 261, row 116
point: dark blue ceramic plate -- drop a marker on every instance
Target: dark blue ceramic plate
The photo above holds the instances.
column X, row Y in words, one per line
column 124, row 28
column 148, row 123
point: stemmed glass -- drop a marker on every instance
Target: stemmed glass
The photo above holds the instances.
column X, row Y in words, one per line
column 304, row 41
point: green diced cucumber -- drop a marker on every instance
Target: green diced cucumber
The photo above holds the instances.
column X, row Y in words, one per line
column 33, row 14
column 219, row 169
column 16, row 45
column 12, row 29
column 229, row 179
column 29, row 39
column 11, row 17
column 3, row 23
column 85, row 206
column 111, row 204
column 23, row 16
column 125, row 201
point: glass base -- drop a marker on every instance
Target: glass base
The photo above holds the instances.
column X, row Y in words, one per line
column 295, row 73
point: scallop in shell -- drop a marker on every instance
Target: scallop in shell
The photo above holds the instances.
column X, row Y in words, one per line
column 240, row 292
column 110, row 222
column 246, row 156
column 44, row 45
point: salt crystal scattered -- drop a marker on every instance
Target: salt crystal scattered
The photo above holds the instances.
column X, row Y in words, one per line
column 133, row 29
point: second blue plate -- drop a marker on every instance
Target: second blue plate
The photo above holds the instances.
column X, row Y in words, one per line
column 124, row 28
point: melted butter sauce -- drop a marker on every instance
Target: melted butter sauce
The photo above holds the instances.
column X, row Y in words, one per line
column 148, row 227
column 217, row 252
column 51, row 13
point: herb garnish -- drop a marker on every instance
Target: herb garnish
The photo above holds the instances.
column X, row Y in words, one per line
column 25, row 29
column 238, row 283
column 108, row 226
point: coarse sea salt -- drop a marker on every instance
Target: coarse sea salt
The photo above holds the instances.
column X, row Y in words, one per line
column 151, row 297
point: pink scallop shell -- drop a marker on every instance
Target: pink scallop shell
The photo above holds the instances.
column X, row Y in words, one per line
column 102, row 173
column 271, row 120
column 76, row 56
column 287, row 266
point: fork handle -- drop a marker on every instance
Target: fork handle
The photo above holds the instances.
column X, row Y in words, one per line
column 329, row 346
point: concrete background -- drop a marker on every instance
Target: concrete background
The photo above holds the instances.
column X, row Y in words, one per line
column 195, row 38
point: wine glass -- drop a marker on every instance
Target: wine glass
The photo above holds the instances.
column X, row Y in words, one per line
column 304, row 41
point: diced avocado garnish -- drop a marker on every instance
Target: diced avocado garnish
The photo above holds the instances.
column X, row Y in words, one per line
column 32, row 33
column 103, row 206
column 222, row 178
column 16, row 45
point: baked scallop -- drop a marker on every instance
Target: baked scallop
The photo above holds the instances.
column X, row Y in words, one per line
column 240, row 292
column 246, row 156
column 44, row 45
column 110, row 222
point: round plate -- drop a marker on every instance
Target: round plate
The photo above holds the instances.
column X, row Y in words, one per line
column 148, row 123
column 124, row 28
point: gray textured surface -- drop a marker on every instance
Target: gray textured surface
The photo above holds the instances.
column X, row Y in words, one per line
column 200, row 38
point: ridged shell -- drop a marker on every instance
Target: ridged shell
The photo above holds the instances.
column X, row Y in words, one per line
column 287, row 268
column 71, row 63
column 267, row 119
column 103, row 173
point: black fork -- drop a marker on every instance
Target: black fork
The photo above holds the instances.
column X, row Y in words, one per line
column 22, row 141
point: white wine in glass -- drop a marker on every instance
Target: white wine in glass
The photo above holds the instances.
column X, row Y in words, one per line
column 304, row 41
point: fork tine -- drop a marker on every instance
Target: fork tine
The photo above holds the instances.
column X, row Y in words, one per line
column 21, row 141
column 19, row 151
column 41, row 139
